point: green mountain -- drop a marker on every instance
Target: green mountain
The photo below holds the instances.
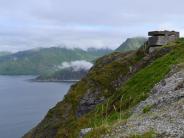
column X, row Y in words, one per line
column 123, row 92
column 4, row 53
column 131, row 44
column 68, row 71
column 99, row 52
column 42, row 61
column 67, row 74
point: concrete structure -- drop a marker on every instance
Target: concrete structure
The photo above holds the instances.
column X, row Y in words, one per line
column 159, row 38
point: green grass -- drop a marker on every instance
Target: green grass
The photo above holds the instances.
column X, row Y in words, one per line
column 149, row 134
column 147, row 108
column 96, row 133
column 138, row 87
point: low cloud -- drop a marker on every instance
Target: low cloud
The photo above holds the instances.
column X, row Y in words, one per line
column 76, row 65
column 83, row 23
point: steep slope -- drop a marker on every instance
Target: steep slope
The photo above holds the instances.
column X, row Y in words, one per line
column 131, row 44
column 160, row 114
column 40, row 61
column 108, row 94
column 127, row 100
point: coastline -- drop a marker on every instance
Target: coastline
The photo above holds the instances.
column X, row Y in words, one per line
column 67, row 81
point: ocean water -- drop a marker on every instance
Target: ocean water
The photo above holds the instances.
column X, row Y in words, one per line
column 23, row 103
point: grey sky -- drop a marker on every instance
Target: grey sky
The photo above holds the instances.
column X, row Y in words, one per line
column 27, row 24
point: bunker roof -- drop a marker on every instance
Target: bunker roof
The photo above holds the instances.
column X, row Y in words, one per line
column 160, row 33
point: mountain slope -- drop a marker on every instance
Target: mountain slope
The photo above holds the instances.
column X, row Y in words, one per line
column 108, row 94
column 68, row 71
column 41, row 61
column 153, row 116
column 4, row 53
column 67, row 74
column 131, row 44
column 99, row 52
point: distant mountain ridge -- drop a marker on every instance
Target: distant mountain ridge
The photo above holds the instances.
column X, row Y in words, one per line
column 62, row 75
column 4, row 53
column 131, row 44
column 69, row 71
column 41, row 61
column 99, row 52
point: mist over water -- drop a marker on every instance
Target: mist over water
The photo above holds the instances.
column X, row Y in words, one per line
column 23, row 104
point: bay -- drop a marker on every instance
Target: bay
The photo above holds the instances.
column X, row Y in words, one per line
column 23, row 104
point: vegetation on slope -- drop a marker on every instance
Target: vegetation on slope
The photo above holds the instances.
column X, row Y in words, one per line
column 42, row 61
column 131, row 44
column 123, row 79
column 137, row 88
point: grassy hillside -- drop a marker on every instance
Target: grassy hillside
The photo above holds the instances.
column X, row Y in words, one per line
column 131, row 44
column 111, row 89
column 118, row 106
column 42, row 61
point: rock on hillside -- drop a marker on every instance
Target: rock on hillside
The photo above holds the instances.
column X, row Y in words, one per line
column 162, row 112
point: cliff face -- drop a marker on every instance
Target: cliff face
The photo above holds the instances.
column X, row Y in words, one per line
column 110, row 91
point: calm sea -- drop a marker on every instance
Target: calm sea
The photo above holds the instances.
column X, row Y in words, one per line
column 23, row 103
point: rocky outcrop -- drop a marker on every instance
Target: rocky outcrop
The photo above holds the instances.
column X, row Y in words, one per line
column 89, row 101
column 83, row 132
column 162, row 112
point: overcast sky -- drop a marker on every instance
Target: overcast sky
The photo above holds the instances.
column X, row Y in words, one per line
column 26, row 24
